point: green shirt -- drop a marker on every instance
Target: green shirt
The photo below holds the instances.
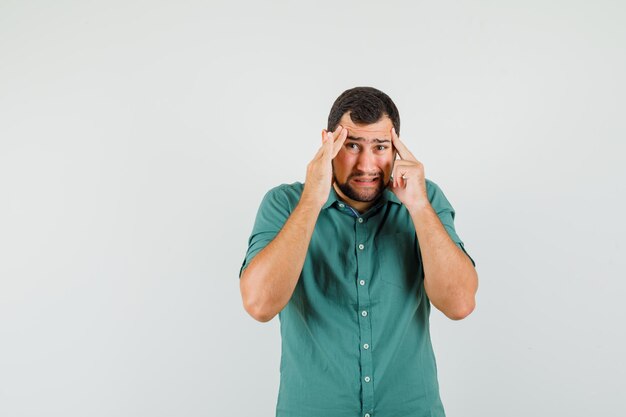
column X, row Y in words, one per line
column 355, row 333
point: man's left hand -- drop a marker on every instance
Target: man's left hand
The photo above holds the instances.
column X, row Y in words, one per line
column 408, row 181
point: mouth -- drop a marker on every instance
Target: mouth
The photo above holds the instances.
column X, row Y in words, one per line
column 365, row 181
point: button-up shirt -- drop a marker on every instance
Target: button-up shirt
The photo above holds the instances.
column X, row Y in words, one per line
column 355, row 333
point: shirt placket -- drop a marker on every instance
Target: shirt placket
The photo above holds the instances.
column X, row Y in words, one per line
column 363, row 255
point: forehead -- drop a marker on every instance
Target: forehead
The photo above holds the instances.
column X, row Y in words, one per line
column 380, row 129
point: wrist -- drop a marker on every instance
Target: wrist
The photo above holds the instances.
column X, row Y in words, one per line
column 419, row 208
column 312, row 202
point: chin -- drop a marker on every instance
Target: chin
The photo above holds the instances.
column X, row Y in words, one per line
column 361, row 196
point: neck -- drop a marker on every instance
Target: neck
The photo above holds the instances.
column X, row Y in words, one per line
column 360, row 206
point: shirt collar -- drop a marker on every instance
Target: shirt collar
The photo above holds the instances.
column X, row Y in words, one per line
column 387, row 197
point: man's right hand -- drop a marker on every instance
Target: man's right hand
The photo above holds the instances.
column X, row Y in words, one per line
column 319, row 172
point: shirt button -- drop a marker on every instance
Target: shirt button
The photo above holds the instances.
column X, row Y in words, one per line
column 360, row 220
column 364, row 313
column 362, row 282
column 361, row 246
column 367, row 415
column 367, row 379
column 366, row 346
column 342, row 205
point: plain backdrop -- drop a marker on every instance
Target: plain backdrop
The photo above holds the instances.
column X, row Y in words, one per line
column 137, row 139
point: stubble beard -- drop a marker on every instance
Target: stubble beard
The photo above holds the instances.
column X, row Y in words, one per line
column 365, row 196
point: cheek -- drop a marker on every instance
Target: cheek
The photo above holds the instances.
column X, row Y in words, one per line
column 385, row 159
column 386, row 164
column 343, row 162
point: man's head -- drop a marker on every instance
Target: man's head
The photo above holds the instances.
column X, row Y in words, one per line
column 362, row 168
column 365, row 105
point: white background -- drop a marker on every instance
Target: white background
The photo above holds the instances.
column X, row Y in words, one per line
column 137, row 139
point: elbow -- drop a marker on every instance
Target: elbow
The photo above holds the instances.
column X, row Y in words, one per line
column 461, row 310
column 466, row 303
column 254, row 306
column 257, row 312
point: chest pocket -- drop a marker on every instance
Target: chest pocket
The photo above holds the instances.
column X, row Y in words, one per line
column 399, row 260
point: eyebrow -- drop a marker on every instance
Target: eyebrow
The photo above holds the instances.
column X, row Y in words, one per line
column 356, row 138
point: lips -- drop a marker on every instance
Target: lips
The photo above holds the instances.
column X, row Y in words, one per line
column 365, row 180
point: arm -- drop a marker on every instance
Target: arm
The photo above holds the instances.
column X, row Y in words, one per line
column 268, row 282
column 450, row 280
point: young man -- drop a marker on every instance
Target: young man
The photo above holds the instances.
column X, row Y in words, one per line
column 350, row 261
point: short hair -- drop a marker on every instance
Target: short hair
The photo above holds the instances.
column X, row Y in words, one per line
column 366, row 105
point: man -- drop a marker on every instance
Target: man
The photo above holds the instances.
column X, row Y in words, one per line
column 350, row 261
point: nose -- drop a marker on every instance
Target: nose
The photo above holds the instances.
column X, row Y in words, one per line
column 366, row 161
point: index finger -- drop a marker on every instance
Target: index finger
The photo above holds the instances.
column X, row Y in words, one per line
column 403, row 151
column 343, row 134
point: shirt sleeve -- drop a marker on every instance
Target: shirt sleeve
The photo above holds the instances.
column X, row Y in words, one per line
column 445, row 211
column 271, row 216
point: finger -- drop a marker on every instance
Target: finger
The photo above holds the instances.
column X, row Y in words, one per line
column 400, row 168
column 403, row 151
column 327, row 147
column 320, row 151
column 399, row 171
column 398, row 180
column 339, row 142
column 338, row 132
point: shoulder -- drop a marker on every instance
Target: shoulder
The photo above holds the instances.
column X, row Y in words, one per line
column 290, row 191
column 287, row 195
column 436, row 197
column 432, row 188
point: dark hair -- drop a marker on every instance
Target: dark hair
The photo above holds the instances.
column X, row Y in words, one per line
column 366, row 105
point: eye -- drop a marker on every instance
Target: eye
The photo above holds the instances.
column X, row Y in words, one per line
column 381, row 147
column 352, row 146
